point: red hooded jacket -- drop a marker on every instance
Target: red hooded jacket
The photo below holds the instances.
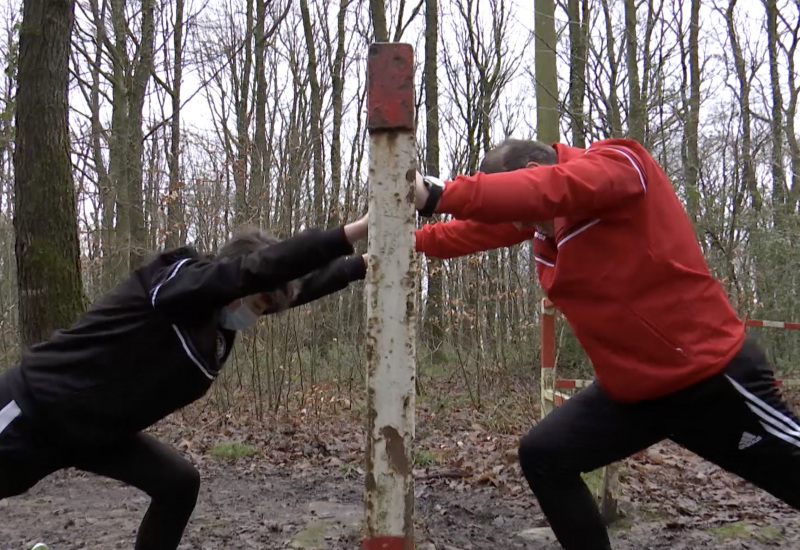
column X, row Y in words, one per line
column 624, row 266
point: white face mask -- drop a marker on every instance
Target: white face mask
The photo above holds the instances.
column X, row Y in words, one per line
column 240, row 318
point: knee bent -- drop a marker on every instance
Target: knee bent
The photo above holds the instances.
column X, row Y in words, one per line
column 536, row 456
column 182, row 482
column 188, row 481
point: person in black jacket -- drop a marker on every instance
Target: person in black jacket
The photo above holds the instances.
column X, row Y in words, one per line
column 151, row 346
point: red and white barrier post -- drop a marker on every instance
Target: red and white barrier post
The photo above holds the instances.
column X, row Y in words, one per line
column 772, row 324
column 551, row 397
column 391, row 299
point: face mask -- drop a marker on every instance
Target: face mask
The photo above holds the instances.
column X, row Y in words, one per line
column 239, row 319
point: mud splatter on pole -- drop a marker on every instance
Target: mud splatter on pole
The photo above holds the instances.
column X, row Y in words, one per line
column 391, row 299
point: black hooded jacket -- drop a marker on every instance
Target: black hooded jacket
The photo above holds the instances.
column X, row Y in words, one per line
column 153, row 344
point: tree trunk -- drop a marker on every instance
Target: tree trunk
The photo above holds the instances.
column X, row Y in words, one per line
column 577, row 69
column 337, row 90
column 130, row 79
column 106, row 186
column 636, row 112
column 256, row 189
column 779, row 194
column 692, row 126
column 546, row 77
column 139, row 80
column 378, row 10
column 748, row 169
column 176, row 229
column 613, row 115
column 117, row 263
column 241, row 92
column 315, row 132
column 793, row 200
column 434, row 321
column 652, row 75
column 546, row 83
column 47, row 252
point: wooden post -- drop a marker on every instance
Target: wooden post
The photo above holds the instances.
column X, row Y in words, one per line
column 552, row 398
column 547, row 353
column 391, row 299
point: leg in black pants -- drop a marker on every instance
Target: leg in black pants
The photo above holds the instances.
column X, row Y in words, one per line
column 735, row 419
column 161, row 472
column 170, row 480
column 743, row 425
column 585, row 433
column 27, row 456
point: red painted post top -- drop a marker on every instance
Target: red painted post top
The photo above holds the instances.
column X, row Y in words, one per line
column 390, row 87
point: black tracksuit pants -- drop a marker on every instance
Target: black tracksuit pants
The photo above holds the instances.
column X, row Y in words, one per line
column 27, row 456
column 735, row 419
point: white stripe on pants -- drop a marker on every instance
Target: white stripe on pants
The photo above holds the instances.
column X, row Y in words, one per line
column 8, row 414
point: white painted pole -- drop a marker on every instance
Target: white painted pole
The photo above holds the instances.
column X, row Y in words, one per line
column 391, row 299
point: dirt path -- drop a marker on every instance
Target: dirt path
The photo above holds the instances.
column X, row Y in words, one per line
column 246, row 505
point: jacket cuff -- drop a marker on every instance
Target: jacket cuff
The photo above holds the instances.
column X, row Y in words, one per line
column 419, row 241
column 337, row 241
column 355, row 268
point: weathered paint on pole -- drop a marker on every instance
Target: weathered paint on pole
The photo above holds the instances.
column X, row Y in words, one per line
column 391, row 299
column 547, row 355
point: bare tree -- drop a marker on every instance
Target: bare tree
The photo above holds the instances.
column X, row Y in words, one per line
column 547, row 113
column 691, row 160
column 636, row 111
column 748, row 170
column 240, row 77
column 258, row 190
column 434, row 325
column 337, row 67
column 315, row 132
column 578, row 13
column 176, row 230
column 137, row 83
column 793, row 35
column 611, row 61
column 779, row 188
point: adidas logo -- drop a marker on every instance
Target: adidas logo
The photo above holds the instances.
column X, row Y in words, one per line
column 748, row 440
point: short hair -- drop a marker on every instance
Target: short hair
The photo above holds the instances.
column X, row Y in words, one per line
column 513, row 154
column 248, row 240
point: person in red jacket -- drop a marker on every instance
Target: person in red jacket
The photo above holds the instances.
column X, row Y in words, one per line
column 617, row 254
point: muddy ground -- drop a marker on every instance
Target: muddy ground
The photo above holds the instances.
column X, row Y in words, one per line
column 254, row 503
column 297, row 482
